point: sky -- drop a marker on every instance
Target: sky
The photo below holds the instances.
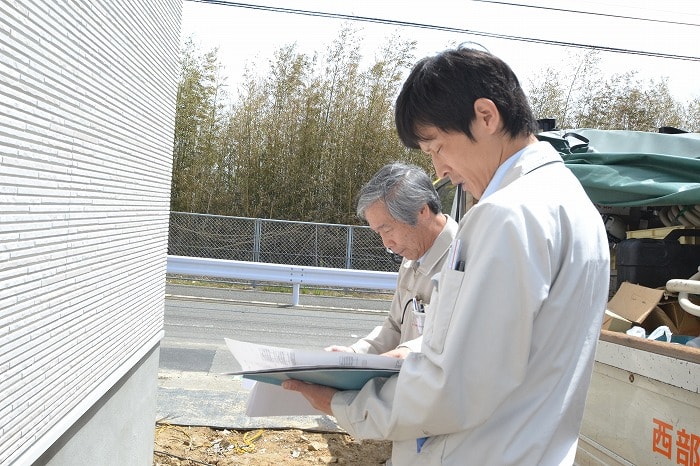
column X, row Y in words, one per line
column 247, row 36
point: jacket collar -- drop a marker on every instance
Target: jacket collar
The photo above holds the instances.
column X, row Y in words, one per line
column 534, row 156
column 437, row 251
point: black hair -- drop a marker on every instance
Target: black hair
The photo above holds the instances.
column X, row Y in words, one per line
column 441, row 90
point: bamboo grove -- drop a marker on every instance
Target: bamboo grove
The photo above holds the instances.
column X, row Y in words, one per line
column 297, row 139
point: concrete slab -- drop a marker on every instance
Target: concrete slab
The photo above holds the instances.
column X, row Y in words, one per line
column 219, row 401
column 186, row 359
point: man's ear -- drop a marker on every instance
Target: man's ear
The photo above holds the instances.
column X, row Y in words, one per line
column 487, row 115
column 424, row 211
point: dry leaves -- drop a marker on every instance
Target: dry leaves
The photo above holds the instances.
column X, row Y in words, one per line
column 190, row 446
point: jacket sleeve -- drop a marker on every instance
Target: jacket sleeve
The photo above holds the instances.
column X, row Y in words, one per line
column 383, row 338
column 413, row 345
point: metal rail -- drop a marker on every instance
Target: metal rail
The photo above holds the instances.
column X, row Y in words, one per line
column 294, row 275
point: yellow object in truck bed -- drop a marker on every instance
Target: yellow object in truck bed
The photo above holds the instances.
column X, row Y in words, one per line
column 660, row 233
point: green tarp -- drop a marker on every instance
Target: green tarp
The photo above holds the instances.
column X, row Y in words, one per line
column 631, row 168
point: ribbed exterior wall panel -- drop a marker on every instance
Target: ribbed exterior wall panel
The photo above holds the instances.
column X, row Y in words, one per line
column 87, row 108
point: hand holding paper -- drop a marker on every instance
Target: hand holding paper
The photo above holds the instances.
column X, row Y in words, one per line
column 319, row 396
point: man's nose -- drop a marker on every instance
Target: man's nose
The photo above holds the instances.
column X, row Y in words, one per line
column 388, row 242
column 440, row 169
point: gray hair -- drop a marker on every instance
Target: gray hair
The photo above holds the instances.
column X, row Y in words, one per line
column 403, row 188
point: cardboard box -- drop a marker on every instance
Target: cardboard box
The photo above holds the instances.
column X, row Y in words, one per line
column 616, row 323
column 648, row 308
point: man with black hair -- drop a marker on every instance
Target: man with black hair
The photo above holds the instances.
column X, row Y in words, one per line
column 509, row 343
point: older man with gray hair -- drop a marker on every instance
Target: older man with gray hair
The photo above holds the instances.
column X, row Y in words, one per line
column 402, row 206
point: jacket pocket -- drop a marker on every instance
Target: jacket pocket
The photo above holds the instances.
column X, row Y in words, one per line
column 442, row 306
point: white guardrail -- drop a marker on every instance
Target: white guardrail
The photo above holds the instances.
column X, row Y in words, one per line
column 295, row 275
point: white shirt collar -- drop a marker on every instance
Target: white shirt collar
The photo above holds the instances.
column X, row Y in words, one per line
column 500, row 173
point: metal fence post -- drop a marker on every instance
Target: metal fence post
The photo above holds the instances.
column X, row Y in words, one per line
column 348, row 249
column 316, row 255
column 295, row 294
column 257, row 233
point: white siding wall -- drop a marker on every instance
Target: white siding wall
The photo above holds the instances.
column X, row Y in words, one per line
column 87, row 103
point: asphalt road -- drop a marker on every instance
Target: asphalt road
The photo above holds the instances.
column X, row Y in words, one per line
column 197, row 319
column 193, row 388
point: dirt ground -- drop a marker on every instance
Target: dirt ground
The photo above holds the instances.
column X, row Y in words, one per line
column 190, row 446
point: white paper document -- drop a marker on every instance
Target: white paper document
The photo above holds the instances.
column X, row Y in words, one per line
column 272, row 400
column 269, row 366
column 344, row 371
column 255, row 357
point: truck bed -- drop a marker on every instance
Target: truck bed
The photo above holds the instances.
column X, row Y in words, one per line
column 643, row 406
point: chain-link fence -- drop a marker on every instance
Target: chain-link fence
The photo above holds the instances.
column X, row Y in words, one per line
column 278, row 241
